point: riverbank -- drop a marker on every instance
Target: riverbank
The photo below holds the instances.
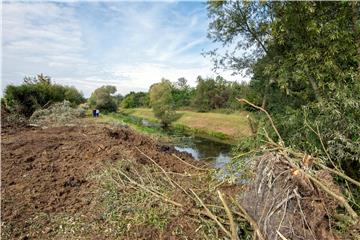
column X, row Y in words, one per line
column 105, row 181
column 212, row 150
column 224, row 127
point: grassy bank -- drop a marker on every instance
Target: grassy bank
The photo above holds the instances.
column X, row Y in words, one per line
column 217, row 125
column 157, row 133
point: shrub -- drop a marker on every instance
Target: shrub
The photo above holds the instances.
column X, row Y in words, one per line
column 37, row 92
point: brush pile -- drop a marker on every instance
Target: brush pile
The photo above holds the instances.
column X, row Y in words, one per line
column 57, row 114
column 293, row 195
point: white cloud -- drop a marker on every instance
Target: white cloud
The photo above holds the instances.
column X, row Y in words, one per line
column 88, row 44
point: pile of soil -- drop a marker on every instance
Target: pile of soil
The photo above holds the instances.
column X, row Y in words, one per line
column 46, row 171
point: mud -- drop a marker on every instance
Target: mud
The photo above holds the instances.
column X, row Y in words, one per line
column 48, row 170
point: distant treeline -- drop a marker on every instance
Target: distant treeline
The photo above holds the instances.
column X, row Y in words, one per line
column 207, row 95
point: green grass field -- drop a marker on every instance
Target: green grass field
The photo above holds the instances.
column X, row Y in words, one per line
column 234, row 125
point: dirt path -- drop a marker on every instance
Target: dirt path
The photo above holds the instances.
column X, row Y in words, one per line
column 46, row 171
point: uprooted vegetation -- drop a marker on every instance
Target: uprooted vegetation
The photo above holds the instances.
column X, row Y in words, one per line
column 57, row 114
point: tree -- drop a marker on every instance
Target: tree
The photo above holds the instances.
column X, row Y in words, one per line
column 305, row 63
column 101, row 99
column 135, row 99
column 162, row 102
column 213, row 93
column 182, row 93
column 308, row 60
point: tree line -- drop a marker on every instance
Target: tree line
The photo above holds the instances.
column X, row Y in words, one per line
column 208, row 94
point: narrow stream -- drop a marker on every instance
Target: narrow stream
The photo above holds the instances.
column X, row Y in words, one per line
column 216, row 153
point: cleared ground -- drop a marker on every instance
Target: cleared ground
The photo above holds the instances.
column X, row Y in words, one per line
column 234, row 125
column 100, row 181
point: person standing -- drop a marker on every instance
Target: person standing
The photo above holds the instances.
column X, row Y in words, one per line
column 94, row 112
column 97, row 112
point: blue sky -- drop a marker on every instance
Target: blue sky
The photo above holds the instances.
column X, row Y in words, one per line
column 89, row 44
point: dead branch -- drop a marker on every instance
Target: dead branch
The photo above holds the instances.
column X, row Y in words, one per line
column 252, row 222
column 189, row 164
column 230, row 216
column 338, row 173
column 167, row 176
column 152, row 191
column 267, row 114
column 341, row 199
column 211, row 215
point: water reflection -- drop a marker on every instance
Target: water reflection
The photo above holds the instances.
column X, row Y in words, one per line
column 204, row 149
column 218, row 154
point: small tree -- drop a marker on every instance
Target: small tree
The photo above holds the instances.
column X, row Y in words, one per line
column 101, row 99
column 162, row 102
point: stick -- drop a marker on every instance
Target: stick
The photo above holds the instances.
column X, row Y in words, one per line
column 157, row 194
column 267, row 114
column 230, row 216
column 189, row 164
column 339, row 174
column 250, row 220
column 281, row 236
column 167, row 176
column 211, row 215
column 341, row 199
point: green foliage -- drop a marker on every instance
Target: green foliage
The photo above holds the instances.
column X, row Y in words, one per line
column 162, row 102
column 101, row 99
column 182, row 93
column 135, row 100
column 37, row 92
column 305, row 60
column 218, row 93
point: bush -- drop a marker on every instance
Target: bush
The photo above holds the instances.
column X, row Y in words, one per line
column 37, row 93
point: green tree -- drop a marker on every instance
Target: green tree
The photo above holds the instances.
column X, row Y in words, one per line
column 309, row 60
column 305, row 63
column 182, row 93
column 162, row 102
column 101, row 99
column 135, row 99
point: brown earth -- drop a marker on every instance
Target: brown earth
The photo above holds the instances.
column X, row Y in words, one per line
column 46, row 171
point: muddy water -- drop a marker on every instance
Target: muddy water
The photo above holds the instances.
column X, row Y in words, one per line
column 216, row 153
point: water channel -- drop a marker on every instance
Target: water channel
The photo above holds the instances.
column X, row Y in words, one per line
column 201, row 148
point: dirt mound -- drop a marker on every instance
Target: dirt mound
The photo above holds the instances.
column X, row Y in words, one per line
column 57, row 114
column 283, row 202
column 47, row 171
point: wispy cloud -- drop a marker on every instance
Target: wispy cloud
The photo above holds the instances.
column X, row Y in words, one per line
column 88, row 44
